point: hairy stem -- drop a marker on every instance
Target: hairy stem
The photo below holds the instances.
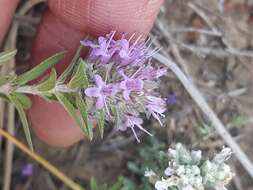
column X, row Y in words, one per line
column 30, row 89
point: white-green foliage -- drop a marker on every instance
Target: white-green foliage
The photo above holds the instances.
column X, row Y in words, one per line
column 188, row 170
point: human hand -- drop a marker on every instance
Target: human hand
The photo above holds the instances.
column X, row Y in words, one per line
column 62, row 27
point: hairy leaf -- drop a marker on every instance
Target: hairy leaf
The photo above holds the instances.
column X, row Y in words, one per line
column 115, row 113
column 69, row 107
column 7, row 55
column 24, row 100
column 40, row 69
column 100, row 115
column 83, row 110
column 49, row 83
column 16, row 101
column 118, row 185
column 48, row 96
column 79, row 78
column 93, row 184
column 71, row 66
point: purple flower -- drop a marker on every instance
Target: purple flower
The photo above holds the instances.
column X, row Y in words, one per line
column 124, row 52
column 27, row 170
column 102, row 51
column 134, row 54
column 132, row 121
column 131, row 76
column 101, row 91
column 156, row 107
column 129, row 85
column 150, row 73
column 171, row 99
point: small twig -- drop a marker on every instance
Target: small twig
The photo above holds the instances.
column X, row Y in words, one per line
column 42, row 161
column 203, row 105
column 8, row 161
column 221, row 5
column 204, row 17
column 201, row 31
column 174, row 47
column 230, row 49
column 237, row 92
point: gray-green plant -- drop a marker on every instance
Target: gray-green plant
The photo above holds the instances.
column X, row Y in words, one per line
column 188, row 170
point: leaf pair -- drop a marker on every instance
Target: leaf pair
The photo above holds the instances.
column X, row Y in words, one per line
column 39, row 69
column 74, row 78
column 23, row 102
column 83, row 122
column 79, row 80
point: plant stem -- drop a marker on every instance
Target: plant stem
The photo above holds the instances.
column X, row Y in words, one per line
column 30, row 89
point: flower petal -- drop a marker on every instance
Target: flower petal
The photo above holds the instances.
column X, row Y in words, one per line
column 99, row 81
column 88, row 43
column 100, row 102
column 126, row 94
column 92, row 92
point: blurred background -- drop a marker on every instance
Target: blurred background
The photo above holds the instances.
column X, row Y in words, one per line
column 212, row 42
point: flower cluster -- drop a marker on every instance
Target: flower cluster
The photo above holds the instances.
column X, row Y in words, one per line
column 124, row 81
column 189, row 171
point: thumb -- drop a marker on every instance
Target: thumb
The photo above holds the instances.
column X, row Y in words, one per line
column 61, row 28
column 7, row 9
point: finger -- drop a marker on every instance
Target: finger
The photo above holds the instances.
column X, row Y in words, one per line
column 100, row 16
column 7, row 9
column 61, row 29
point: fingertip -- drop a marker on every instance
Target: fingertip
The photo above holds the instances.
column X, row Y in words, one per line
column 54, row 36
column 99, row 16
column 52, row 124
column 7, row 10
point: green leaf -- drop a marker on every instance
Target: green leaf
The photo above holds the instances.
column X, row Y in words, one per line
column 93, row 184
column 79, row 78
column 24, row 100
column 16, row 101
column 71, row 66
column 49, row 83
column 70, row 108
column 100, row 115
column 83, row 110
column 7, row 55
column 40, row 69
column 115, row 113
column 118, row 185
column 48, row 96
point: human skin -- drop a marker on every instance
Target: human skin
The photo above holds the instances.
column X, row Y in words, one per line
column 62, row 27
